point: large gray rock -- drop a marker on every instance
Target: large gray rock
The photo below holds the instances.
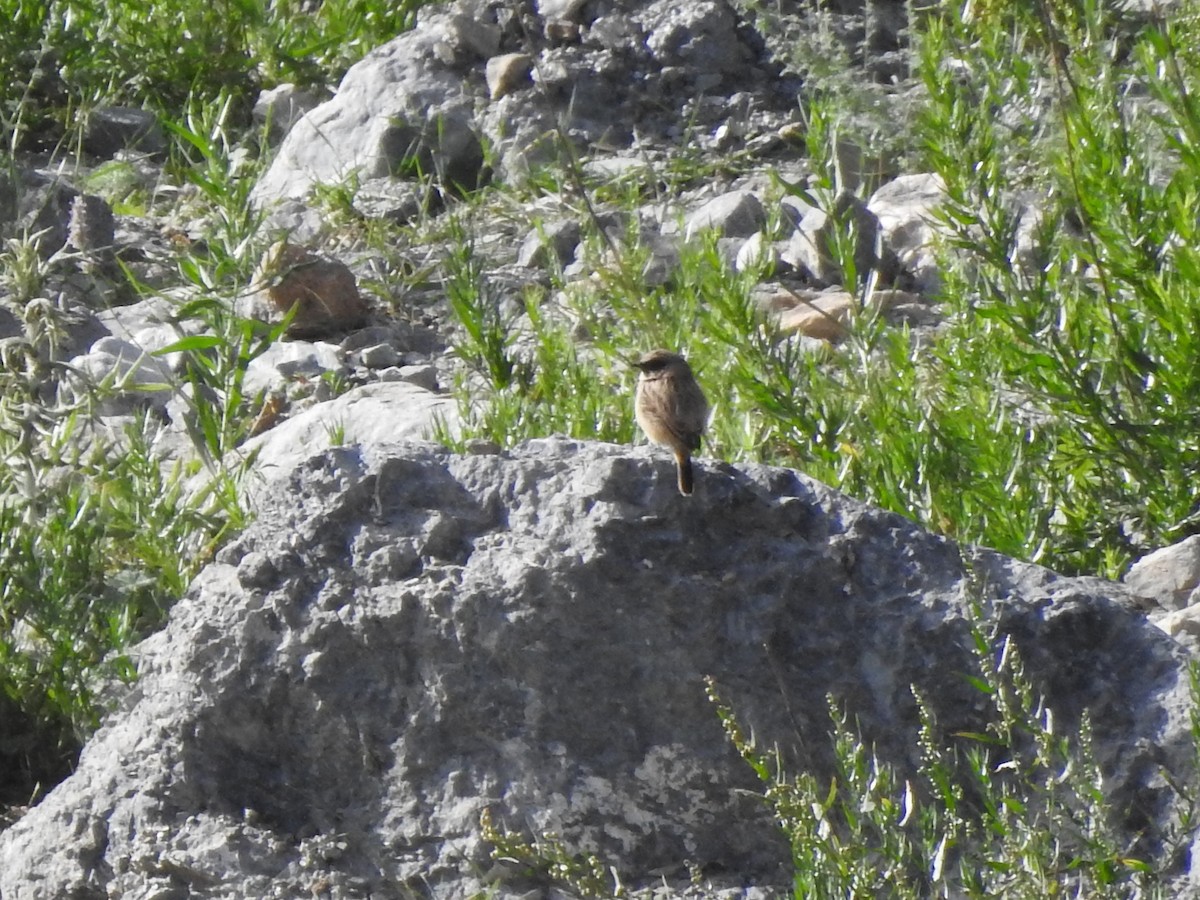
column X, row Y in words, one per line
column 369, row 414
column 400, row 109
column 906, row 208
column 407, row 637
column 423, row 102
column 735, row 214
column 811, row 247
column 1170, row 575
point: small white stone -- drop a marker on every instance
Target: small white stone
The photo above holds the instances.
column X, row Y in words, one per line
column 506, row 73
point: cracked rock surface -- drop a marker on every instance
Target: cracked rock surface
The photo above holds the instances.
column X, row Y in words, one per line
column 406, row 637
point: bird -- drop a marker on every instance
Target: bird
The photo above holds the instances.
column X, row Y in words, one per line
column 670, row 407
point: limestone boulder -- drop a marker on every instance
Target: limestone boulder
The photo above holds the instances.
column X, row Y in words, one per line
column 407, row 637
column 906, row 208
column 400, row 110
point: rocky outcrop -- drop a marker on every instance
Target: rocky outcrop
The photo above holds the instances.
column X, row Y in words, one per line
column 407, row 637
column 423, row 104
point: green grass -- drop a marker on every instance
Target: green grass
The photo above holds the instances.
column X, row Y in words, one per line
column 59, row 59
column 98, row 534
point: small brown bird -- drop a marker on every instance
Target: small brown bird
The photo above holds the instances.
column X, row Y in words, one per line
column 670, row 408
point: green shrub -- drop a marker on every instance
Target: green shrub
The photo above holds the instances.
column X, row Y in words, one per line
column 1016, row 810
column 1089, row 293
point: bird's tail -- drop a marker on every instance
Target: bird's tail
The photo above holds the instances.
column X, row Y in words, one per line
column 683, row 461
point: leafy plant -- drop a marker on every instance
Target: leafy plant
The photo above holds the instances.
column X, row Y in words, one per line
column 59, row 59
column 215, row 371
column 209, row 156
column 1092, row 294
column 220, row 269
column 486, row 332
column 1016, row 810
column 548, row 860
